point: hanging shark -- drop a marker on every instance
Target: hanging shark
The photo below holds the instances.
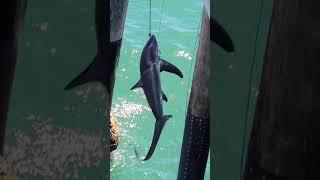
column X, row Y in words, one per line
column 150, row 67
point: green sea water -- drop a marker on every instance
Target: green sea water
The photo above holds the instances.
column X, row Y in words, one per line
column 57, row 43
column 177, row 40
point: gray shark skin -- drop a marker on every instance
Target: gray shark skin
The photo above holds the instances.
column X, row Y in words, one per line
column 104, row 63
column 150, row 67
column 12, row 13
column 220, row 36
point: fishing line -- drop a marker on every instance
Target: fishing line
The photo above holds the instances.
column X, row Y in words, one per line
column 191, row 65
column 252, row 64
column 150, row 18
column 160, row 19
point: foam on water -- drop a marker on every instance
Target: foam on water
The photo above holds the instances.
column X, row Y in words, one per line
column 126, row 112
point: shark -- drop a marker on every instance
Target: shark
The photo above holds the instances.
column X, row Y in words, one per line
column 150, row 67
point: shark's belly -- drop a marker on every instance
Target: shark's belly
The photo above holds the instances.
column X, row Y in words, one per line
column 152, row 90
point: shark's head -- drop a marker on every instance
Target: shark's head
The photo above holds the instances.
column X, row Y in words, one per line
column 152, row 48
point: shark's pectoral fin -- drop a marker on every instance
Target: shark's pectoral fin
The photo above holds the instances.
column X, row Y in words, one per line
column 220, row 36
column 137, row 85
column 164, row 97
column 94, row 72
column 166, row 66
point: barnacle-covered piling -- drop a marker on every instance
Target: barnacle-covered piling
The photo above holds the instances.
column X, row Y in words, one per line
column 114, row 133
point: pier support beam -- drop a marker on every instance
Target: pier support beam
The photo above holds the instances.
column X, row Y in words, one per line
column 11, row 17
column 118, row 12
column 195, row 145
column 285, row 140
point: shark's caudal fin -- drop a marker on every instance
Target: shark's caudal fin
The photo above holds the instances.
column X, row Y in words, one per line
column 156, row 135
column 220, row 36
column 166, row 66
column 96, row 71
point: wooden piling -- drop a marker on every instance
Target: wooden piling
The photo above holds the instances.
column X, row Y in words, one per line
column 285, row 141
column 118, row 12
column 11, row 17
column 195, row 146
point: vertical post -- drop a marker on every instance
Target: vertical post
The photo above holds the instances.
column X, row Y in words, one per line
column 285, row 141
column 11, row 17
column 118, row 12
column 195, row 145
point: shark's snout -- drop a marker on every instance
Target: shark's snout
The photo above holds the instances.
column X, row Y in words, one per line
column 152, row 40
column 151, row 48
column 152, row 37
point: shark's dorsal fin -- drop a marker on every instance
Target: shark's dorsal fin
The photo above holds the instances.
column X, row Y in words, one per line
column 164, row 97
column 137, row 85
column 166, row 66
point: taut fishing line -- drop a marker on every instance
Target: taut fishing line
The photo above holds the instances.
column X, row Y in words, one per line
column 252, row 63
column 160, row 19
column 191, row 65
column 149, row 18
column 193, row 53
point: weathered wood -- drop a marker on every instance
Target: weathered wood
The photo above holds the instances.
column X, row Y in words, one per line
column 117, row 18
column 118, row 12
column 11, row 17
column 199, row 97
column 195, row 145
column 285, row 141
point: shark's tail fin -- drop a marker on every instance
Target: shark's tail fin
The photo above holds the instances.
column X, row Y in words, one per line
column 96, row 71
column 156, row 135
column 220, row 36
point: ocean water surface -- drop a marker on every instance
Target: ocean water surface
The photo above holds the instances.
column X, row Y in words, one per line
column 178, row 38
column 57, row 43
